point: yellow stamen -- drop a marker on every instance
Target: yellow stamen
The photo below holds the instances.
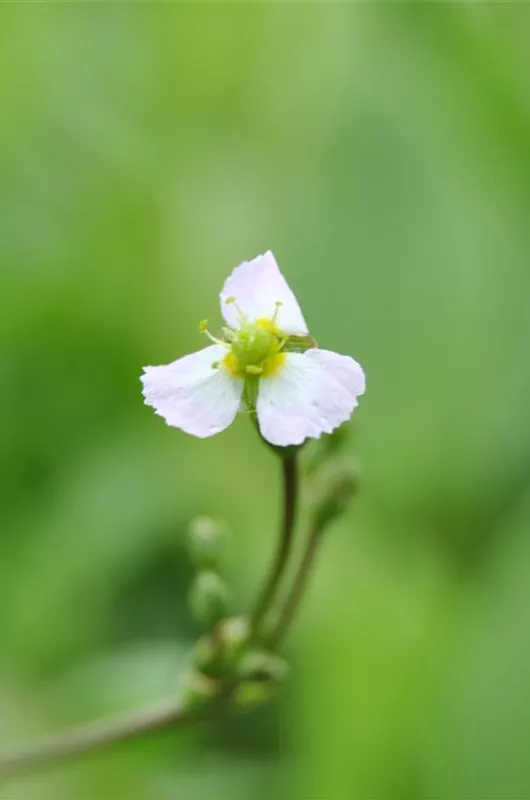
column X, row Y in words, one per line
column 203, row 328
column 231, row 301
column 232, row 365
column 278, row 304
column 273, row 364
column 266, row 324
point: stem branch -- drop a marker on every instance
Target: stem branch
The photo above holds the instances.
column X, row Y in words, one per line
column 299, row 586
column 290, row 495
column 94, row 735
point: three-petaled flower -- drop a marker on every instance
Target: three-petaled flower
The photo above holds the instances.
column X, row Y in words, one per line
column 265, row 360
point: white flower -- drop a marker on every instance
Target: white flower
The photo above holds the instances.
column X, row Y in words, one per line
column 266, row 359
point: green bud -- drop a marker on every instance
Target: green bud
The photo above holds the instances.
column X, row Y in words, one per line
column 233, row 636
column 206, row 655
column 249, row 694
column 333, row 490
column 198, row 690
column 208, row 597
column 258, row 665
column 205, row 542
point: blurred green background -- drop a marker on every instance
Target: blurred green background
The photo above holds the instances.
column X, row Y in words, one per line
column 383, row 152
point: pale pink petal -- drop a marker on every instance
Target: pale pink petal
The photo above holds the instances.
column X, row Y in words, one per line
column 313, row 393
column 192, row 394
column 343, row 368
column 257, row 286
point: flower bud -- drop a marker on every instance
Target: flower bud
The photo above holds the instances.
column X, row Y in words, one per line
column 205, row 542
column 198, row 690
column 233, row 636
column 332, row 491
column 258, row 665
column 206, row 656
column 208, row 597
column 249, row 694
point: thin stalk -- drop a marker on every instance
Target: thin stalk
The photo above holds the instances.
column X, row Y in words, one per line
column 290, row 498
column 298, row 588
column 92, row 736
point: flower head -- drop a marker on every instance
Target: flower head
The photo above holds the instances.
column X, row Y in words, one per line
column 265, row 359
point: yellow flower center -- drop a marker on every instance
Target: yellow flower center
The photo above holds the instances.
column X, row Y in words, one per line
column 273, row 364
column 255, row 350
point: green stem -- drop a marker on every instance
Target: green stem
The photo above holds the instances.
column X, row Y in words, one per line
column 92, row 736
column 298, row 588
column 290, row 497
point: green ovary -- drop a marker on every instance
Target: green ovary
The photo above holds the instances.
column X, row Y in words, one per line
column 255, row 350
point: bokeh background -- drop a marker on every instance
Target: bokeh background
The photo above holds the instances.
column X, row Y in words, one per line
column 383, row 152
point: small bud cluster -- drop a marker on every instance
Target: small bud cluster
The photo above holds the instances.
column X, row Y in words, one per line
column 208, row 597
column 227, row 653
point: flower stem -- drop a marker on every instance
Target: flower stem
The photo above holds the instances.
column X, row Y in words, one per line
column 92, row 736
column 290, row 497
column 298, row 588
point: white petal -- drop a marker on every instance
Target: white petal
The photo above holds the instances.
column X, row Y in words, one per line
column 192, row 395
column 313, row 393
column 257, row 286
column 344, row 369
